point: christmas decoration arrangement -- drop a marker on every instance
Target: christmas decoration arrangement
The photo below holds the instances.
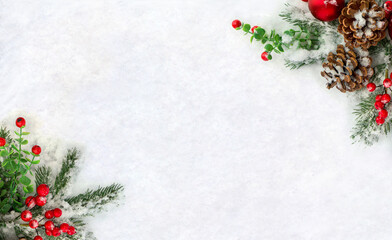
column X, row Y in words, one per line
column 350, row 41
column 35, row 203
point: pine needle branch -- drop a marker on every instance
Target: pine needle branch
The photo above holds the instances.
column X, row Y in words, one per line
column 95, row 199
column 64, row 176
column 42, row 175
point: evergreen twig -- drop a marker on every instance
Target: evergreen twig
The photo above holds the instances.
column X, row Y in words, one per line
column 63, row 178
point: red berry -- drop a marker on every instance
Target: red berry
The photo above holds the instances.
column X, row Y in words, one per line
column 371, row 87
column 71, row 231
column 388, row 6
column 2, row 142
column 49, row 214
column 379, row 105
column 56, row 232
column 264, row 56
column 49, row 225
column 378, row 98
column 33, row 223
column 38, row 238
column 43, row 190
column 386, row 98
column 64, row 227
column 236, row 23
column 387, row 83
column 48, row 232
column 57, row 212
column 253, row 28
column 380, row 120
column 20, row 122
column 40, row 201
column 383, row 114
column 304, row 0
column 30, row 202
column 26, row 215
column 36, row 150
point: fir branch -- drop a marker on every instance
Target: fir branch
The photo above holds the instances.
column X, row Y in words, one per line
column 95, row 199
column 42, row 175
column 63, row 178
column 6, row 134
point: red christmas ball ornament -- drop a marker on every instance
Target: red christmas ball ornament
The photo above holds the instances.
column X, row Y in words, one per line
column 30, row 202
column 253, row 28
column 57, row 212
column 36, row 150
column 71, row 231
column 387, row 83
column 64, row 227
column 383, row 114
column 2, row 141
column 38, row 238
column 236, row 23
column 380, row 120
column 371, row 87
column 48, row 232
column 40, row 200
column 33, row 223
column 43, row 190
column 326, row 10
column 26, row 215
column 20, row 122
column 379, row 105
column 49, row 225
column 264, row 56
column 386, row 98
column 49, row 214
column 56, row 232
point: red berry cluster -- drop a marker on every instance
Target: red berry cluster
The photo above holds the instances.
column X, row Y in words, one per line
column 382, row 100
column 237, row 23
column 50, row 228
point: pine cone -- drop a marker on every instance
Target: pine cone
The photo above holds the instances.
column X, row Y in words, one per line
column 363, row 23
column 349, row 69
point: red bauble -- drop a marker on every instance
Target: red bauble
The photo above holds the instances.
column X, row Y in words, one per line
column 40, row 201
column 380, row 120
column 379, row 105
column 30, row 202
column 64, row 227
column 33, row 223
column 20, row 122
column 49, row 225
column 326, row 10
column 387, row 83
column 264, row 56
column 253, row 28
column 383, row 114
column 2, row 141
column 57, row 212
column 71, row 231
column 371, row 87
column 48, row 232
column 38, row 238
column 26, row 215
column 236, row 23
column 386, row 98
column 49, row 214
column 56, row 232
column 43, row 190
column 36, row 150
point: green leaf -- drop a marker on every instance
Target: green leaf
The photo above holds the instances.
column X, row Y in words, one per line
column 268, row 47
column 36, row 161
column 3, row 192
column 25, row 133
column 25, row 142
column 6, row 208
column 269, row 57
column 260, row 31
column 30, row 188
column 1, row 184
column 17, row 133
column 280, row 47
column 4, row 153
column 264, row 40
column 276, row 50
column 246, row 27
column 25, row 180
column 257, row 36
column 278, row 38
column 251, row 39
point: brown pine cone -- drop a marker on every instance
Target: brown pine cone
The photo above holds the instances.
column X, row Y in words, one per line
column 363, row 23
column 349, row 69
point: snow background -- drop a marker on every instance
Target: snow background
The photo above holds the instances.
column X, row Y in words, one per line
column 211, row 142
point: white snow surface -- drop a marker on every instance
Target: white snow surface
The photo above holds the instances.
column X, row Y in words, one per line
column 210, row 142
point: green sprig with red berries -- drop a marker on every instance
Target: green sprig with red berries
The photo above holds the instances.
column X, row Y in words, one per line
column 304, row 38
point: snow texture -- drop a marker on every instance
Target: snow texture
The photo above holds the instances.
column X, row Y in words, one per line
column 211, row 142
